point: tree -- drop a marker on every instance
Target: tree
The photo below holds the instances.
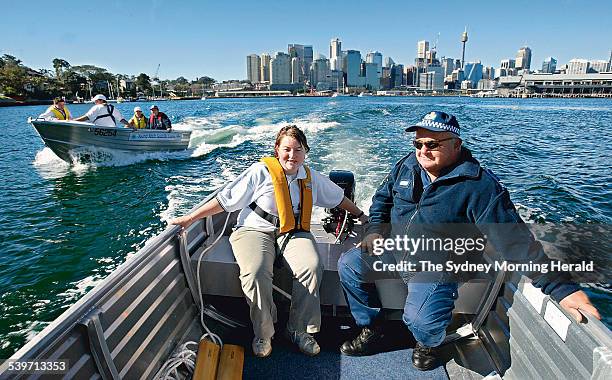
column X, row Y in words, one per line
column 143, row 82
column 13, row 76
column 60, row 67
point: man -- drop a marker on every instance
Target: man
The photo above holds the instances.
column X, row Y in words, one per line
column 159, row 120
column 138, row 121
column 58, row 111
column 440, row 183
column 103, row 114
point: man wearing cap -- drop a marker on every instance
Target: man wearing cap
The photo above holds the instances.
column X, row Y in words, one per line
column 58, row 111
column 440, row 183
column 103, row 114
column 159, row 120
column 138, row 121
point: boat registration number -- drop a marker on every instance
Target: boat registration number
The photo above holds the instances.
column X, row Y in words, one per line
column 103, row 132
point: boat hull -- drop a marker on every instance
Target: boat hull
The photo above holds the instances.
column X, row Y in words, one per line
column 62, row 137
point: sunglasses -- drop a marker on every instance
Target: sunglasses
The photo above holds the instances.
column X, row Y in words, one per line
column 431, row 145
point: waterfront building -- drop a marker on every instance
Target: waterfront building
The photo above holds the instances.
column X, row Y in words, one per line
column 409, row 73
column 372, row 81
column 457, row 76
column 599, row 66
column 578, row 66
column 488, row 72
column 265, row 67
column 304, row 55
column 593, row 84
column 335, row 48
column 433, row 79
column 508, row 64
column 549, row 65
column 473, row 72
column 352, row 68
column 448, row 64
column 280, row 69
column 127, row 85
column 485, row 84
column 396, row 75
column 376, row 57
column 389, row 62
column 320, row 74
column 523, row 58
column 295, row 70
column 253, row 68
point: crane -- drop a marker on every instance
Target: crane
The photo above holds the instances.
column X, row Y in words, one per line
column 155, row 81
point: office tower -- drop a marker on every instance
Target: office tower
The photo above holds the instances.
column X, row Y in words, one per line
column 295, row 70
column 352, row 68
column 507, row 67
column 488, row 72
column 464, row 39
column 599, row 66
column 473, row 72
column 335, row 47
column 253, row 68
column 578, row 66
column 397, row 75
column 409, row 73
column 280, row 69
column 449, row 65
column 549, row 65
column 304, row 55
column 523, row 58
column 389, row 62
column 433, row 79
column 320, row 73
column 265, row 68
column 422, row 49
column 376, row 57
column 372, row 80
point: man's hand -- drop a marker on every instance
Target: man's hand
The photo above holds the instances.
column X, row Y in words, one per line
column 367, row 244
column 579, row 301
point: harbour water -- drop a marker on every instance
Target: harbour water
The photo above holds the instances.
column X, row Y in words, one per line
column 64, row 228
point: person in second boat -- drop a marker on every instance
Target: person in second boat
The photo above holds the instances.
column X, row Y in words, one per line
column 103, row 114
column 139, row 120
column 58, row 111
column 441, row 189
column 159, row 120
column 276, row 196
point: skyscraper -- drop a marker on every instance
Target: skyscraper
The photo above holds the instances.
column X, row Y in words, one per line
column 422, row 49
column 295, row 70
column 578, row 66
column 375, row 57
column 265, row 68
column 320, row 73
column 335, row 47
column 304, row 55
column 253, row 68
column 523, row 58
column 352, row 68
column 280, row 69
column 549, row 65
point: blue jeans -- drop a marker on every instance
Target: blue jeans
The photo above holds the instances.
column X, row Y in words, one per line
column 429, row 303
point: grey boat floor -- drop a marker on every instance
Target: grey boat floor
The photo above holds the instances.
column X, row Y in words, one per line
column 393, row 360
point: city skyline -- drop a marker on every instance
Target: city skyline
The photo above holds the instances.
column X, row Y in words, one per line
column 191, row 39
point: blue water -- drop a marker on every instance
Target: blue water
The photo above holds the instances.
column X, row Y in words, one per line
column 64, row 228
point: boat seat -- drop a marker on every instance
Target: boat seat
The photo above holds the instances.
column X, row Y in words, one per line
column 219, row 276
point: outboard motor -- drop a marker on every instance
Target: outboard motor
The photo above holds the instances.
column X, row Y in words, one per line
column 338, row 221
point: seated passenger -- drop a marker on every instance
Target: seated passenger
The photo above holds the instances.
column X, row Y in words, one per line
column 58, row 111
column 159, row 120
column 275, row 197
column 103, row 114
column 138, row 121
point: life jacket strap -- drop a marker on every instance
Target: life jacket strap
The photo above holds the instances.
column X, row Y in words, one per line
column 265, row 215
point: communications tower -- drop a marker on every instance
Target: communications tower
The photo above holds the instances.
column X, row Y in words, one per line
column 464, row 38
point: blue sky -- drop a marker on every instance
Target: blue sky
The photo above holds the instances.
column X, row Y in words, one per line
column 195, row 38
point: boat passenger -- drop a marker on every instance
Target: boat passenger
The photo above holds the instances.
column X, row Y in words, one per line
column 440, row 182
column 159, row 120
column 275, row 197
column 58, row 111
column 138, row 121
column 103, row 114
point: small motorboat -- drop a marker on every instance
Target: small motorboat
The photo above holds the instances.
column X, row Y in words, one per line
column 66, row 136
column 181, row 285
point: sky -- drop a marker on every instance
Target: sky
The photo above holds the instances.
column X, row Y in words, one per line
column 213, row 38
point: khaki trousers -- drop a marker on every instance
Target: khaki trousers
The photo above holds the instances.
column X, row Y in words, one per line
column 255, row 254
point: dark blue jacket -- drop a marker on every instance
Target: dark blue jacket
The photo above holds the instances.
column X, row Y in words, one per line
column 465, row 193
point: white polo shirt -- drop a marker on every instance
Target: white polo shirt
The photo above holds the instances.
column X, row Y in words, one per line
column 255, row 185
column 101, row 109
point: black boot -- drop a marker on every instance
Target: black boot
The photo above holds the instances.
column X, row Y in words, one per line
column 364, row 344
column 424, row 358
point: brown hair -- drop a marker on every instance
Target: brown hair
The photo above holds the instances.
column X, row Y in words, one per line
column 58, row 100
column 291, row 131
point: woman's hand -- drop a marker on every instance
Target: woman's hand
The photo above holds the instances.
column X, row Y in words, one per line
column 183, row 221
column 363, row 219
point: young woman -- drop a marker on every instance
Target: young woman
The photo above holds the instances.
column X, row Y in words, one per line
column 276, row 196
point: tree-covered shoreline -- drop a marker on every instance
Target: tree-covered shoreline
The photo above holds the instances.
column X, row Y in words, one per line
column 22, row 83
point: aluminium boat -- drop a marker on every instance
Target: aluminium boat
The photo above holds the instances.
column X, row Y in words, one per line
column 64, row 137
column 130, row 324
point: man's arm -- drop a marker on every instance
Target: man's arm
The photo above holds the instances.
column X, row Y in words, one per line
column 81, row 118
column 509, row 235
